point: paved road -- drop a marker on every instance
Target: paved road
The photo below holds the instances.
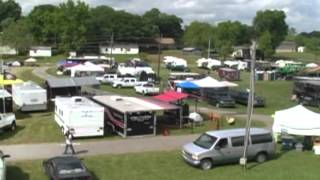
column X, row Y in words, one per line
column 130, row 145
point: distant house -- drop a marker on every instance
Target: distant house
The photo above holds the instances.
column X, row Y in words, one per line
column 301, row 49
column 40, row 51
column 7, row 50
column 119, row 49
column 286, row 47
column 166, row 42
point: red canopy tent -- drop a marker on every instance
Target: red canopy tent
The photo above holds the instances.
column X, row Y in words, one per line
column 171, row 96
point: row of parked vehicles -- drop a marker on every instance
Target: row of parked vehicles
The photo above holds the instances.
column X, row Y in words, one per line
column 142, row 87
column 229, row 98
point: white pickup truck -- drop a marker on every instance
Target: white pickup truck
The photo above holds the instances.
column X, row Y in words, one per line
column 8, row 121
column 147, row 88
column 125, row 82
column 107, row 78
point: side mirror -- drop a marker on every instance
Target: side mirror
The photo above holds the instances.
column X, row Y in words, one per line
column 6, row 156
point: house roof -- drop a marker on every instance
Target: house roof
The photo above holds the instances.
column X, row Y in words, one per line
column 72, row 82
column 165, row 41
column 40, row 48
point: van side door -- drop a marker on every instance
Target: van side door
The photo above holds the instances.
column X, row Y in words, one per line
column 237, row 148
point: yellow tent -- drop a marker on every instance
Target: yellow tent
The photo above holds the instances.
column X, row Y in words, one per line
column 4, row 82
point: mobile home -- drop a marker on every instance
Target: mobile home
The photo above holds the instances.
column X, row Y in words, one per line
column 79, row 115
column 29, row 96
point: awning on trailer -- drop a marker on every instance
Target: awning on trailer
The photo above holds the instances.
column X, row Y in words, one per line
column 171, row 96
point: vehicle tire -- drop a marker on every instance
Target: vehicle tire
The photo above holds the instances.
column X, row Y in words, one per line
column 261, row 157
column 206, row 164
column 119, row 86
column 13, row 126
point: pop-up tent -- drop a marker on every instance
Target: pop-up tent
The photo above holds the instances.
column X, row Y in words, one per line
column 87, row 67
column 171, row 96
column 297, row 120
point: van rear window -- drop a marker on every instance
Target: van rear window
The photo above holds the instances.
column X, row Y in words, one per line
column 261, row 138
column 237, row 141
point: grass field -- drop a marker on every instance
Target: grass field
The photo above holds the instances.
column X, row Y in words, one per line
column 169, row 165
column 302, row 57
column 25, row 73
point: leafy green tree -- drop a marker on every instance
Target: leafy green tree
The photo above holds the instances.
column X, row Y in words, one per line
column 265, row 44
column 272, row 21
column 72, row 24
column 9, row 9
column 198, row 34
column 43, row 23
column 168, row 25
column 313, row 46
column 18, row 35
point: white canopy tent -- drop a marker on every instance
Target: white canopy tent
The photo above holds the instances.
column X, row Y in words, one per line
column 86, row 67
column 30, row 60
column 312, row 65
column 209, row 82
column 297, row 120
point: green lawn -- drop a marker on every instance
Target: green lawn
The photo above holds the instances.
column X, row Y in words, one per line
column 25, row 73
column 303, row 57
column 169, row 165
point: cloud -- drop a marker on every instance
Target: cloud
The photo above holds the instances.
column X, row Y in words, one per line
column 301, row 15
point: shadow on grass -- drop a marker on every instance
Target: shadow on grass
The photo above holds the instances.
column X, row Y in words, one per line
column 21, row 115
column 14, row 172
column 6, row 134
column 275, row 157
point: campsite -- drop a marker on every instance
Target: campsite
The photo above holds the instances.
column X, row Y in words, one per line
column 150, row 95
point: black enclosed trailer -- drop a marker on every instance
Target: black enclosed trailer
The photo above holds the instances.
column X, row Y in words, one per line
column 6, row 105
column 131, row 116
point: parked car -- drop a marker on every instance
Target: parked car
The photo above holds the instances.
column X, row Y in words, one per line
column 107, row 78
column 66, row 167
column 221, row 99
column 147, row 88
column 3, row 167
column 125, row 82
column 8, row 121
column 226, row 146
column 241, row 97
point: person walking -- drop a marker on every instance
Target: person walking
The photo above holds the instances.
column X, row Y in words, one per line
column 68, row 136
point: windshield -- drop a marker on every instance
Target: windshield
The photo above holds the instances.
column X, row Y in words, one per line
column 205, row 141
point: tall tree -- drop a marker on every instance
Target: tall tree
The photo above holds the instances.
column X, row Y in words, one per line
column 43, row 23
column 9, row 9
column 272, row 21
column 198, row 34
column 265, row 44
column 72, row 24
column 17, row 35
column 168, row 25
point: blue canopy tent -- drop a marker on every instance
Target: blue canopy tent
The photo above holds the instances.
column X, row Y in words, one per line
column 188, row 85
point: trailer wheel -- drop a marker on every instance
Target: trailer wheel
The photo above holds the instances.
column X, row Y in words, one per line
column 119, row 86
column 13, row 126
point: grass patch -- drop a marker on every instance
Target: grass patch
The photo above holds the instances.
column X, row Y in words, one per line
column 303, row 57
column 33, row 128
column 26, row 74
column 169, row 165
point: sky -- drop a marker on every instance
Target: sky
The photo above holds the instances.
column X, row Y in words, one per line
column 303, row 15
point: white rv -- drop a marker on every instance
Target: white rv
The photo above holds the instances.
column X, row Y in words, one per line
column 29, row 96
column 79, row 115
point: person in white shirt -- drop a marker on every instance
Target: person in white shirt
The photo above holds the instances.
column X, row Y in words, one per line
column 69, row 145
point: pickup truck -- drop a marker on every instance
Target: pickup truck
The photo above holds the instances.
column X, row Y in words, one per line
column 147, row 88
column 125, row 82
column 107, row 78
column 8, row 121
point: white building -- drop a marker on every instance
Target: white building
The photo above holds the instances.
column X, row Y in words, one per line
column 40, row 51
column 119, row 49
column 6, row 50
column 301, row 49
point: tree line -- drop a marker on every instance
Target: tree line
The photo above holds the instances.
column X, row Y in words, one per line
column 72, row 24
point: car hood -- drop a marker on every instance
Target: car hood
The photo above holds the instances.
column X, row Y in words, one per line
column 194, row 149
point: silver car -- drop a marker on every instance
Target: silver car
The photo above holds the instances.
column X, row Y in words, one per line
column 226, row 146
column 3, row 166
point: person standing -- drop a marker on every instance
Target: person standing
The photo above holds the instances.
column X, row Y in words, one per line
column 68, row 136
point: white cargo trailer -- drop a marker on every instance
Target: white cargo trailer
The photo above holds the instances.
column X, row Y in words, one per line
column 29, row 96
column 79, row 115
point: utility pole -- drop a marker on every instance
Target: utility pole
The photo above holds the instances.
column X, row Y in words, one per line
column 159, row 55
column 243, row 160
column 3, row 74
column 209, row 45
column 111, row 46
